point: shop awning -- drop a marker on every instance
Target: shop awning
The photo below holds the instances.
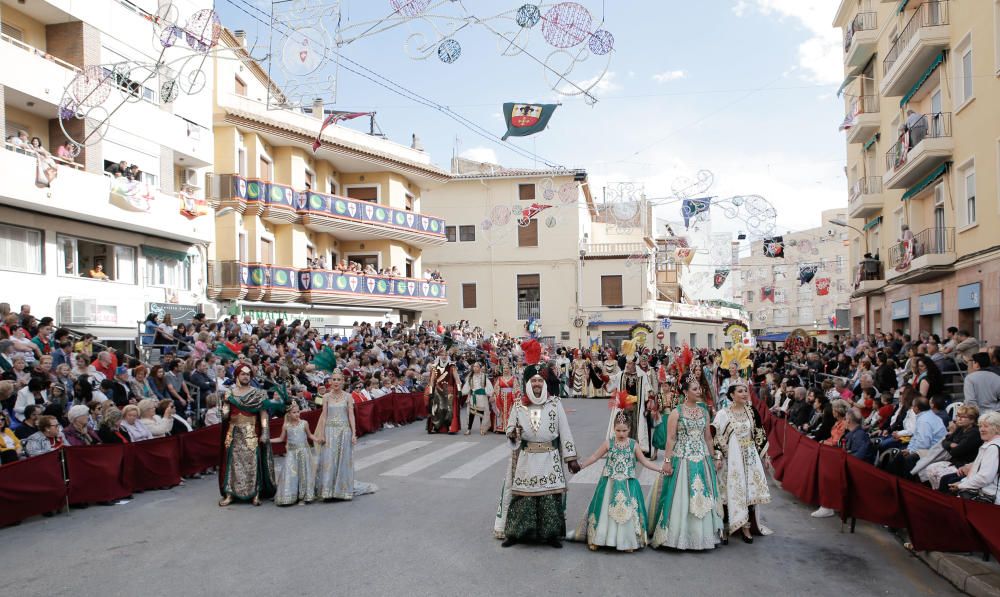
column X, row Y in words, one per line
column 923, row 184
column 873, row 223
column 161, row 253
column 923, row 79
column 873, row 140
column 902, row 6
column 779, row 337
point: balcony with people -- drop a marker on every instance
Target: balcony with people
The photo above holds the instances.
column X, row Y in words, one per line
column 927, row 32
column 862, row 119
column 923, row 256
column 868, row 276
column 924, row 144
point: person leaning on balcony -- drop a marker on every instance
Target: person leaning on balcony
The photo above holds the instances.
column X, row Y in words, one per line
column 981, row 387
column 97, row 272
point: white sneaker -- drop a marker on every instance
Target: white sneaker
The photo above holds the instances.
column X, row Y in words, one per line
column 823, row 513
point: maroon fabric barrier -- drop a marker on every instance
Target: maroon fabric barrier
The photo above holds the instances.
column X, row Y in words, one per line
column 364, row 418
column 383, row 411
column 153, row 463
column 200, row 449
column 97, row 473
column 937, row 522
column 421, row 406
column 402, row 408
column 985, row 519
column 31, row 487
column 801, row 472
column 789, row 447
column 832, row 478
column 876, row 495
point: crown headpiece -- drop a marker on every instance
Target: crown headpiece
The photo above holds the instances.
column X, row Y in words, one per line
column 694, row 371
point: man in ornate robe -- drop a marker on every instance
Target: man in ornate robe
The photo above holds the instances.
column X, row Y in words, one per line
column 636, row 386
column 246, row 471
column 442, row 395
column 533, row 499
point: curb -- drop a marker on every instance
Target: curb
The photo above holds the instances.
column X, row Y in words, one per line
column 969, row 574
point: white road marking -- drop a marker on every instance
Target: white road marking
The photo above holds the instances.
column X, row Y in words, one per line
column 369, row 443
column 480, row 463
column 427, row 460
column 384, row 455
column 591, row 474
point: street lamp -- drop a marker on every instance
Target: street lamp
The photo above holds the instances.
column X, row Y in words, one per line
column 861, row 233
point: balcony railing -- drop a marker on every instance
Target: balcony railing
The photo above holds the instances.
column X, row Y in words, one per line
column 529, row 310
column 863, row 104
column 869, row 185
column 932, row 241
column 616, row 248
column 928, row 14
column 863, row 21
column 27, row 150
column 869, row 270
column 29, row 48
column 928, row 126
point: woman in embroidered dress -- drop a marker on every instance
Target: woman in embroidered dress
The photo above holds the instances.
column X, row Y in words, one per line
column 685, row 509
column 617, row 514
column 580, row 375
column 478, row 390
column 741, row 443
column 297, row 477
column 503, row 401
column 335, row 433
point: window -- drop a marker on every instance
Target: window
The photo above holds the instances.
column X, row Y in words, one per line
column 310, row 180
column 963, row 78
column 168, row 273
column 527, row 236
column 241, row 87
column 529, row 296
column 264, row 172
column 468, row 296
column 449, row 233
column 673, row 339
column 900, row 220
column 92, row 259
column 365, row 260
column 749, row 298
column 266, row 251
column 369, row 194
column 241, row 156
column 467, row 234
column 243, row 247
column 410, row 202
column 693, row 339
column 526, row 192
column 611, row 290
column 967, row 206
column 11, row 31
column 20, row 249
column 711, row 341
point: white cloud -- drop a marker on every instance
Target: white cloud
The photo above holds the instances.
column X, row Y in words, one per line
column 670, row 75
column 820, row 57
column 604, row 85
column 481, row 154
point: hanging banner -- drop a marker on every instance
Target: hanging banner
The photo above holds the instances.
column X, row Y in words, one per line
column 192, row 207
column 767, row 293
column 720, row 278
column 684, row 255
column 526, row 119
column 774, row 247
column 690, row 208
column 806, row 274
column 822, row 286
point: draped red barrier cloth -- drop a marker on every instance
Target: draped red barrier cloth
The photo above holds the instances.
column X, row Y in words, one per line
column 97, row 473
column 937, row 522
column 383, row 410
column 985, row 519
column 801, row 472
column 421, row 407
column 31, row 487
column 364, row 417
column 153, row 463
column 402, row 408
column 832, row 478
column 876, row 495
column 790, row 444
column 200, row 449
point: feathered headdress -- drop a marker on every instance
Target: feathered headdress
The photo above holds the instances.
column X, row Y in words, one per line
column 628, row 349
column 620, row 401
column 683, row 361
column 532, row 350
column 326, row 360
column 738, row 354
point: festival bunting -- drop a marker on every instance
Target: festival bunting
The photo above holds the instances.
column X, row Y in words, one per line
column 822, row 286
column 720, row 277
column 684, row 255
column 526, row 119
column 806, row 274
column 531, row 211
column 191, row 206
column 774, row 247
column 333, row 118
column 692, row 207
column 767, row 293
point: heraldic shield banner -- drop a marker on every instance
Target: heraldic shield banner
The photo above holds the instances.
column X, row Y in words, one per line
column 526, row 119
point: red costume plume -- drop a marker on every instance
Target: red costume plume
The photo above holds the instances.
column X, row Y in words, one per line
column 683, row 361
column 619, row 399
column 532, row 351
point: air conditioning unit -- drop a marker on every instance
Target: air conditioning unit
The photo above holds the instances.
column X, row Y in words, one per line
column 211, row 311
column 74, row 311
column 190, row 178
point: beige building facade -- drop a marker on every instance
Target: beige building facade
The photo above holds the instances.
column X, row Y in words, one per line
column 923, row 161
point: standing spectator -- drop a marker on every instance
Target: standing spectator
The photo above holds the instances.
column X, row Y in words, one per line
column 981, row 387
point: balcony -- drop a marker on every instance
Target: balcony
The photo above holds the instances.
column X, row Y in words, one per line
column 930, row 254
column 862, row 120
column 529, row 310
column 865, row 197
column 869, row 277
column 860, row 40
column 924, row 145
column 347, row 219
column 279, row 284
column 615, row 250
column 925, row 34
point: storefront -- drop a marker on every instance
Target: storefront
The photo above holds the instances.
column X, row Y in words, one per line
column 335, row 320
column 930, row 313
column 969, row 314
column 901, row 315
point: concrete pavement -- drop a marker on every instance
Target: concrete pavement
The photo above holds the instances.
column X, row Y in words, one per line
column 427, row 531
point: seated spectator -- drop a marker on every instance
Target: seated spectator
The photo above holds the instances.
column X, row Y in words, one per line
column 118, row 388
column 135, row 428
column 958, row 448
column 857, row 443
column 79, row 433
column 82, row 367
column 110, row 430
column 980, row 477
column 176, row 387
column 65, row 153
column 839, row 408
column 966, row 347
column 939, row 406
column 212, row 415
column 929, row 432
column 139, row 386
column 821, row 423
column 177, row 423
column 46, row 439
column 158, row 426
column 981, row 387
column 10, row 444
column 200, row 378
column 106, row 363
column 36, row 392
column 29, row 425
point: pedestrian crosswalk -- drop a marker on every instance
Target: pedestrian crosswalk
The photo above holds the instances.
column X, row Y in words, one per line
column 455, row 459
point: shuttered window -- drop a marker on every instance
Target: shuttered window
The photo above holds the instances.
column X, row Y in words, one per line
column 527, row 281
column 526, row 192
column 363, row 193
column 468, row 296
column 527, row 236
column 449, row 233
column 611, row 290
column 467, row 233
column 241, row 87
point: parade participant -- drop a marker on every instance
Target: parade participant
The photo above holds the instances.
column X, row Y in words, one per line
column 297, row 477
column 652, row 399
column 741, row 445
column 685, row 512
column 478, row 389
column 617, row 513
column 503, row 398
column 336, row 433
column 580, row 374
column 532, row 505
column 633, row 387
column 442, row 396
column 247, row 467
column 598, row 378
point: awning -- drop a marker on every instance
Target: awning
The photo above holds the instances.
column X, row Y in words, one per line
column 902, row 6
column 873, row 223
column 872, row 141
column 923, row 79
column 780, row 337
column 846, row 82
column 107, row 334
column 161, row 253
column 923, row 184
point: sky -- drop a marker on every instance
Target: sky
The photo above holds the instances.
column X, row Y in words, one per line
column 745, row 89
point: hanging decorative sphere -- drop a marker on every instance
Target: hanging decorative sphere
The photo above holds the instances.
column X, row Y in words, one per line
column 528, row 16
column 566, row 25
column 409, row 8
column 601, row 42
column 449, row 51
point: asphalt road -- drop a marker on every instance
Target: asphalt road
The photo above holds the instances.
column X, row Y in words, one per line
column 427, row 531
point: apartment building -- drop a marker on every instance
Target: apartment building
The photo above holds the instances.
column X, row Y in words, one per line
column 95, row 250
column 776, row 299
column 287, row 215
column 923, row 156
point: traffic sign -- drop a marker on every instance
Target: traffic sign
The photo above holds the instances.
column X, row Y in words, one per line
column 659, row 335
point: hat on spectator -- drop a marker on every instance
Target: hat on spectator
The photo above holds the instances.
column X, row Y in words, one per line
column 78, row 410
column 121, row 370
